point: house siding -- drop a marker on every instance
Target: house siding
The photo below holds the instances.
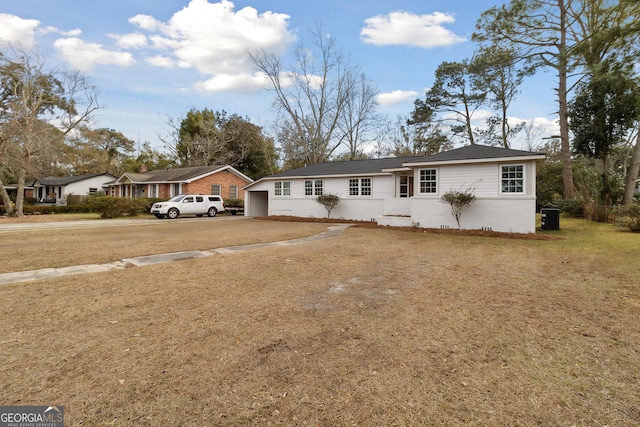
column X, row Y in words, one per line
column 82, row 187
column 225, row 179
column 484, row 179
column 361, row 208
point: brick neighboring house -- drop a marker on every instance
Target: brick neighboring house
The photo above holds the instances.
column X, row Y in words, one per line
column 221, row 180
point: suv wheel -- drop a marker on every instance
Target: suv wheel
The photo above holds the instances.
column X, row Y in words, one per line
column 173, row 213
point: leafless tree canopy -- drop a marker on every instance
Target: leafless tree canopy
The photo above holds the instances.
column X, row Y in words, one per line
column 323, row 101
column 38, row 107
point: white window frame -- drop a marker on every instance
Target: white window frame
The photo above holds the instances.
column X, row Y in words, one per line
column 216, row 190
column 434, row 181
column 313, row 187
column 512, row 178
column 282, row 188
column 360, row 189
column 233, row 191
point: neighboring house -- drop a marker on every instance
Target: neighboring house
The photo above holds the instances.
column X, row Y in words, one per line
column 56, row 189
column 406, row 191
column 224, row 181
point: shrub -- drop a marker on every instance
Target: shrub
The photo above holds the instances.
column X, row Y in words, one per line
column 457, row 200
column 115, row 207
column 329, row 201
column 632, row 218
column 234, row 203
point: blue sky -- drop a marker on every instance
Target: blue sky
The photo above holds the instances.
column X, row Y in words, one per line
column 155, row 59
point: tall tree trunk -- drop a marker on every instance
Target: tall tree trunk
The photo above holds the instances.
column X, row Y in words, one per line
column 632, row 174
column 18, row 211
column 567, row 173
column 8, row 206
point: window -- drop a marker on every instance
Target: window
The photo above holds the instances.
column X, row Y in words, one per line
column 199, row 199
column 283, row 188
column 216, row 189
column 313, row 187
column 233, row 191
column 512, row 179
column 93, row 191
column 428, row 181
column 354, row 187
column 359, row 186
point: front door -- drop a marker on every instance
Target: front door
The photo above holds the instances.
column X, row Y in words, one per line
column 406, row 186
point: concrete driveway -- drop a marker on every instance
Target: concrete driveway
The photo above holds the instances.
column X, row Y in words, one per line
column 55, row 225
column 141, row 261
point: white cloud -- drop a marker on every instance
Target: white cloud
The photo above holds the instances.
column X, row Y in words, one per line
column 215, row 39
column 161, row 61
column 145, row 22
column 404, row 28
column 397, row 97
column 17, row 31
column 72, row 33
column 482, row 115
column 244, row 82
column 84, row 56
column 130, row 41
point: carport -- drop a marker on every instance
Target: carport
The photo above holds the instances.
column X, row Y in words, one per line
column 256, row 203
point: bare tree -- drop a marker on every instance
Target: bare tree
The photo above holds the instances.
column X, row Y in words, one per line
column 359, row 119
column 322, row 100
column 39, row 108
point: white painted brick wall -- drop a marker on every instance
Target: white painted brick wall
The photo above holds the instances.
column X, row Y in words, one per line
column 512, row 215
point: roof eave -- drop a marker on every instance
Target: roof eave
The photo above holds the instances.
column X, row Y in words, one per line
column 487, row 160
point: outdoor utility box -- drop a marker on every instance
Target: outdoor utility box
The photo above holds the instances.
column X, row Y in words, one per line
column 550, row 219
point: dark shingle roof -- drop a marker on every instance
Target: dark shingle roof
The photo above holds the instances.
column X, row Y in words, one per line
column 174, row 175
column 478, row 152
column 66, row 180
column 371, row 166
column 180, row 174
column 350, row 167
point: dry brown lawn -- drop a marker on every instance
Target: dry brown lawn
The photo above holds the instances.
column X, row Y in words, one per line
column 375, row 327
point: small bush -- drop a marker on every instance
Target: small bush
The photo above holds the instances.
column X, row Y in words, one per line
column 39, row 209
column 632, row 218
column 116, row 207
column 329, row 201
column 234, row 203
column 573, row 208
column 458, row 200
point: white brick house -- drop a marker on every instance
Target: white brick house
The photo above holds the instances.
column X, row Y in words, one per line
column 406, row 191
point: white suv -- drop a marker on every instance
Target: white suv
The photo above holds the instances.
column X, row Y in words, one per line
column 188, row 204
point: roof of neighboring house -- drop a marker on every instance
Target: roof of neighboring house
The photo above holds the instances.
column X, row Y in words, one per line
column 373, row 166
column 177, row 175
column 66, row 180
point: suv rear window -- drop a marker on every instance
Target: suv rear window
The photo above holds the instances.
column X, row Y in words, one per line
column 214, row 198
